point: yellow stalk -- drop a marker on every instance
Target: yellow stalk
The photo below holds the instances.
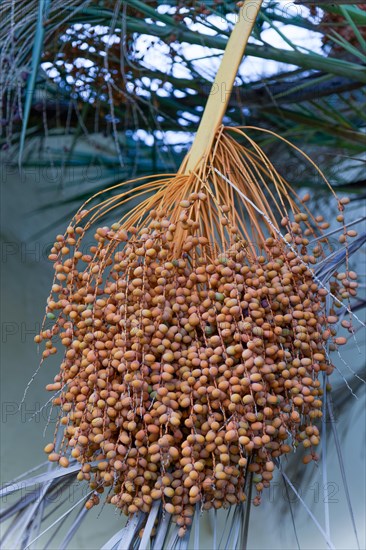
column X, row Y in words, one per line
column 222, row 86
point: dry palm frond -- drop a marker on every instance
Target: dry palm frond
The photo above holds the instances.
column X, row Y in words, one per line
column 194, row 334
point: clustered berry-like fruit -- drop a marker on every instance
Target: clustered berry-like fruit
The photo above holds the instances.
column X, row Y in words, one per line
column 184, row 372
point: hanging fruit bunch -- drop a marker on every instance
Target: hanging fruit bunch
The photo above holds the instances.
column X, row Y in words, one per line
column 193, row 335
column 193, row 329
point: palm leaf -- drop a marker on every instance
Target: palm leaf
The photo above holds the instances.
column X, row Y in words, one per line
column 36, row 58
column 165, row 112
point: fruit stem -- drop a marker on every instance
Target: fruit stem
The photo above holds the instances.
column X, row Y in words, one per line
column 220, row 93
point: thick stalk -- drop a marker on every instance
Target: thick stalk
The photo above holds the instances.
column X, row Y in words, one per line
column 222, row 87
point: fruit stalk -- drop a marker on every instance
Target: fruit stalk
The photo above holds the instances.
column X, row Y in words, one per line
column 223, row 84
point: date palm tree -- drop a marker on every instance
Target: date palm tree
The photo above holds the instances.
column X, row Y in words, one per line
column 85, row 71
